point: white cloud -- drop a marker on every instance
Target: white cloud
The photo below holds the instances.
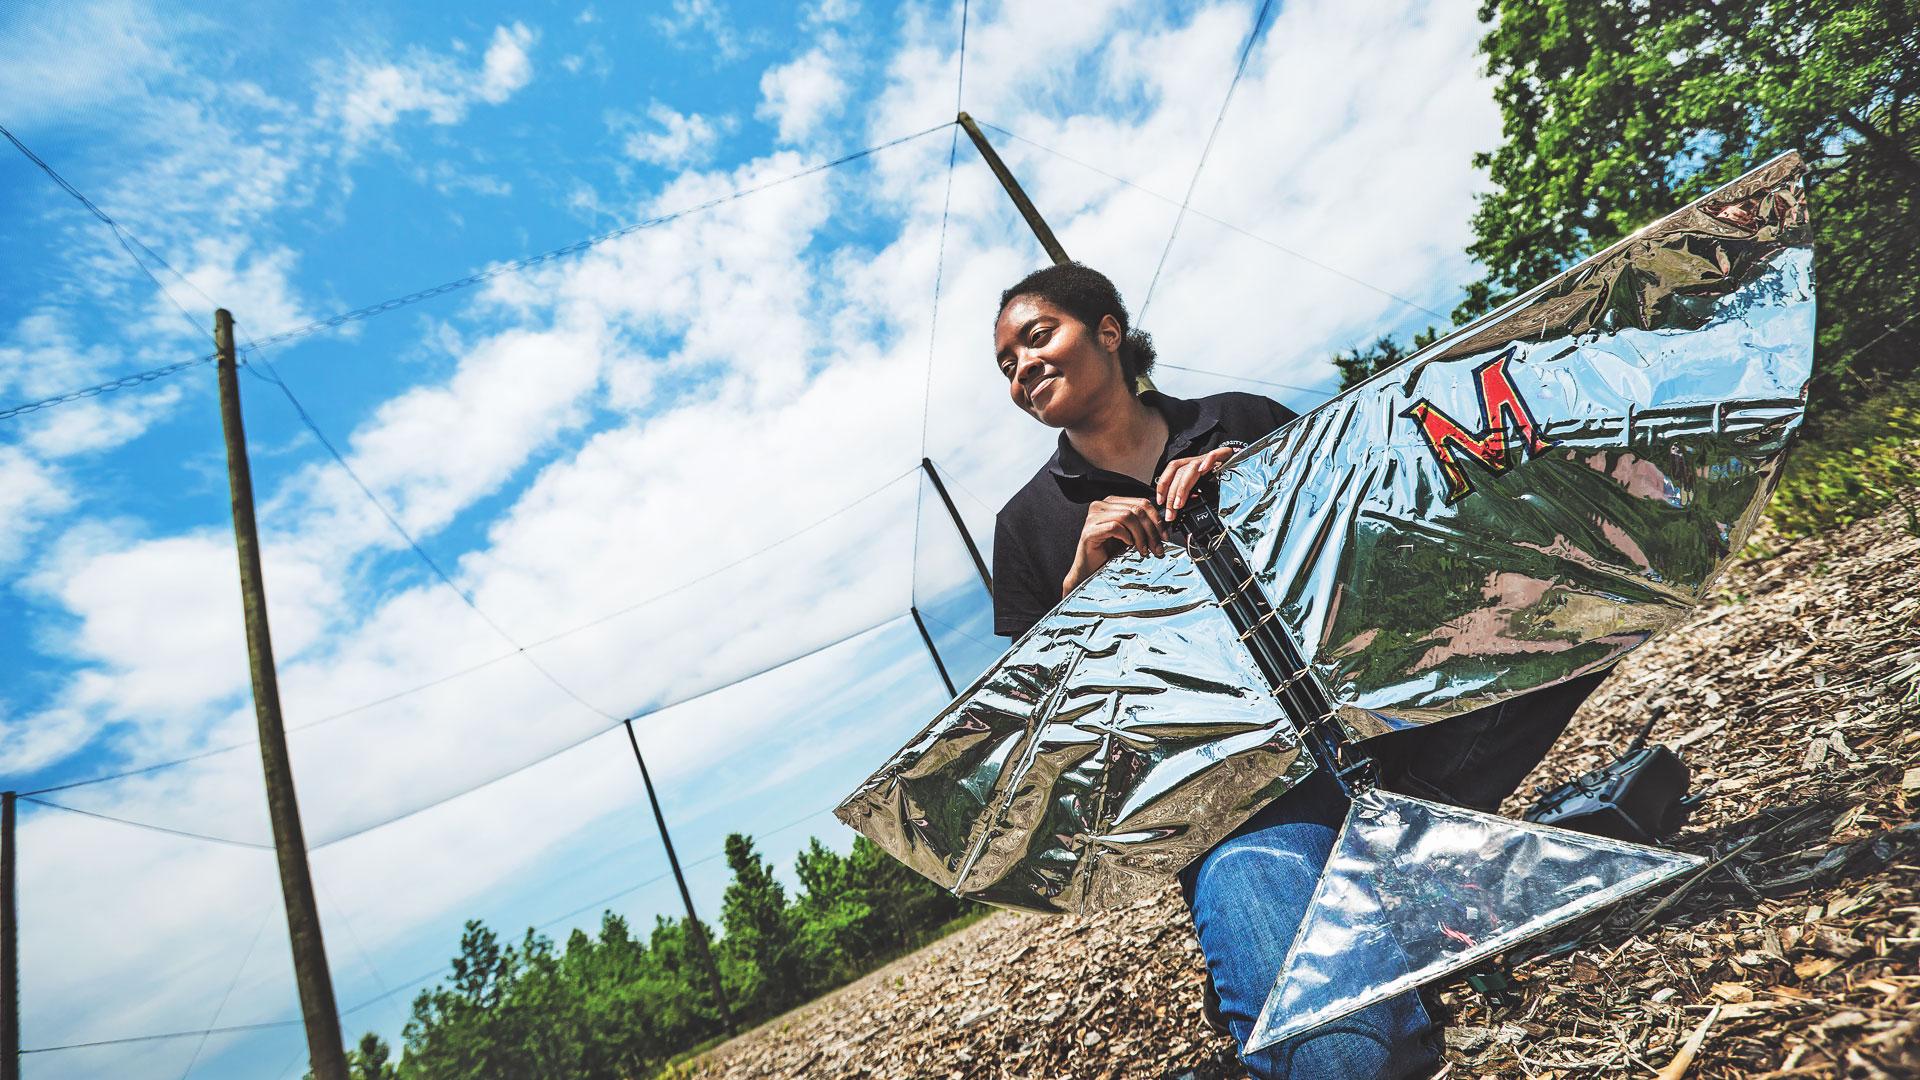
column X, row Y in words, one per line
column 671, row 138
column 30, row 493
column 433, row 450
column 591, row 59
column 95, row 53
column 371, row 96
column 158, row 621
column 798, row 96
column 84, row 427
column 506, row 68
column 697, row 23
column 828, row 12
column 29, row 743
column 40, row 357
column 255, row 285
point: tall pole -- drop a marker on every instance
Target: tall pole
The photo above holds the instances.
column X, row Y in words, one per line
column 1020, row 201
column 953, row 512
column 927, row 638
column 9, row 949
column 695, row 931
column 1025, row 205
column 317, row 1007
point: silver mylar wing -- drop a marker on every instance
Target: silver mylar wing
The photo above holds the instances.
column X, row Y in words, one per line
column 1124, row 735
column 1633, row 414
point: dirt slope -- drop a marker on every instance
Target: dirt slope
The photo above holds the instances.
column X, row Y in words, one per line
column 1794, row 694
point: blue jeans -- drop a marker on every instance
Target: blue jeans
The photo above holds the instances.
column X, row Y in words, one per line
column 1249, row 895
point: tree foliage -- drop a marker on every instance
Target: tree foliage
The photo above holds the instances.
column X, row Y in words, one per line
column 1617, row 111
column 1357, row 364
column 617, row 1006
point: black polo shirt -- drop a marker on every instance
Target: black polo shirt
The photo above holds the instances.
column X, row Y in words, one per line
column 1036, row 533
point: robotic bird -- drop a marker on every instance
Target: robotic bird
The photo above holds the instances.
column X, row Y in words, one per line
column 1520, row 503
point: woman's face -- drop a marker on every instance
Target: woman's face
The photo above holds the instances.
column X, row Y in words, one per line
column 1057, row 368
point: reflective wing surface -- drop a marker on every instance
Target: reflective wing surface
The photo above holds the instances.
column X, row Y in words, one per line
column 1537, row 493
column 1414, row 890
column 1122, row 737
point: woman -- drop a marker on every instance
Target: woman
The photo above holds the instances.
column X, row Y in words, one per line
column 1126, row 466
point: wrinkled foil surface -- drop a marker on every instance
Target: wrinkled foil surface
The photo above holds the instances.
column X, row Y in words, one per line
column 1414, row 889
column 1130, row 730
column 1120, row 739
column 1662, row 379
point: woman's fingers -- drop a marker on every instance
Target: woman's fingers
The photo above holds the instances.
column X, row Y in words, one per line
column 1183, row 484
column 1137, row 518
column 1192, row 471
column 1150, row 521
column 1130, row 521
column 1180, row 477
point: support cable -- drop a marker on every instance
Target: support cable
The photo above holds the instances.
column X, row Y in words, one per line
column 977, row 500
column 149, row 826
column 514, row 771
column 226, row 997
column 926, row 397
column 231, row 1029
column 557, row 751
column 188, row 759
column 497, row 270
column 932, row 618
column 203, row 1033
column 1222, row 222
column 933, row 318
column 127, row 240
column 1259, row 20
column 960, row 80
column 446, row 579
column 1328, row 394
column 353, row 936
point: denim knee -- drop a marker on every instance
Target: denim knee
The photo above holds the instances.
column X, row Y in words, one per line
column 1249, row 896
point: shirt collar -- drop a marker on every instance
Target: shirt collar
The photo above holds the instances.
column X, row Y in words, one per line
column 1188, row 422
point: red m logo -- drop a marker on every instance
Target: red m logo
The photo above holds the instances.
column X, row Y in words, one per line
column 1501, row 408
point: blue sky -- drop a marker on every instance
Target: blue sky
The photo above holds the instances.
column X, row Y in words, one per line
column 598, row 448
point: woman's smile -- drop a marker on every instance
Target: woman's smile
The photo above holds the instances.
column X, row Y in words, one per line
column 1046, row 383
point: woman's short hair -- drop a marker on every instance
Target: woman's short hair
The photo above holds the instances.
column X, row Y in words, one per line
column 1087, row 295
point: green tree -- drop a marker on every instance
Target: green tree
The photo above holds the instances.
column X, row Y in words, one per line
column 905, row 906
column 463, row 1030
column 1357, row 364
column 760, row 941
column 678, row 988
column 368, row 1061
column 614, row 1007
column 1617, row 111
column 835, row 918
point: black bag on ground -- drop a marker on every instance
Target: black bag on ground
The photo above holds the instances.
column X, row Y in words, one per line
column 1640, row 797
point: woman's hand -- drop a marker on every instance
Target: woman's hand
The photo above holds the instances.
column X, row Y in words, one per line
column 1182, row 476
column 1113, row 525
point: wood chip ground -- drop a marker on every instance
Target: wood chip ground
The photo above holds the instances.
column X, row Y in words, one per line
column 1793, row 695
